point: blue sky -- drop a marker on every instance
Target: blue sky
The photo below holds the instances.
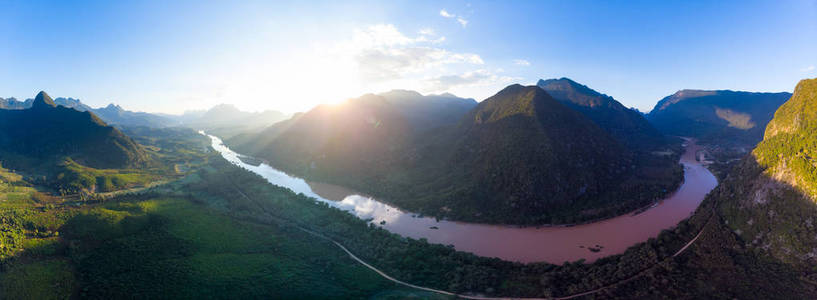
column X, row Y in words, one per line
column 168, row 56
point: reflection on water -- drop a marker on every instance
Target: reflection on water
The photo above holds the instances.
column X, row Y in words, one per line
column 528, row 244
column 361, row 206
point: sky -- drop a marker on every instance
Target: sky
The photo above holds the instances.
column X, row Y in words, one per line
column 172, row 56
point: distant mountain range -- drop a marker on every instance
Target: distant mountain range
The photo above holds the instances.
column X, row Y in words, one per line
column 13, row 103
column 520, row 156
column 717, row 116
column 227, row 120
column 223, row 119
column 111, row 114
column 46, row 131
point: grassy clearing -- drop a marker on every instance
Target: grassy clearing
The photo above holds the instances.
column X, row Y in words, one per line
column 14, row 192
column 75, row 177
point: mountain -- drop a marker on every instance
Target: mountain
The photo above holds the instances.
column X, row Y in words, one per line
column 628, row 126
column 362, row 136
column 116, row 115
column 517, row 157
column 522, row 153
column 426, row 112
column 413, row 112
column 72, row 103
column 226, row 120
column 186, row 117
column 717, row 116
column 47, row 131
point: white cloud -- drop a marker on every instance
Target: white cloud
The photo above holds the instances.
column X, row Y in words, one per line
column 427, row 32
column 445, row 14
column 383, row 53
column 380, row 57
column 471, row 78
column 378, row 64
column 807, row 69
column 521, row 62
column 380, row 35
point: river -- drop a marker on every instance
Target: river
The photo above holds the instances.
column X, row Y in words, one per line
column 522, row 244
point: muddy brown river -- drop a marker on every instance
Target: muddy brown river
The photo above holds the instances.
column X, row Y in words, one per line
column 523, row 244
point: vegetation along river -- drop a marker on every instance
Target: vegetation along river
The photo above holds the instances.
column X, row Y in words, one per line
column 523, row 244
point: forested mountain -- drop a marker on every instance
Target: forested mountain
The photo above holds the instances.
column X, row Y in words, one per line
column 517, row 157
column 772, row 199
column 431, row 111
column 717, row 116
column 628, row 126
column 47, row 131
column 522, row 153
column 415, row 112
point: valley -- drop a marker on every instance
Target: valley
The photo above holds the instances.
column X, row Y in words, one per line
column 552, row 244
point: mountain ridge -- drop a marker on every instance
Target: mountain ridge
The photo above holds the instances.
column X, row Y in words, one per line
column 628, row 126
